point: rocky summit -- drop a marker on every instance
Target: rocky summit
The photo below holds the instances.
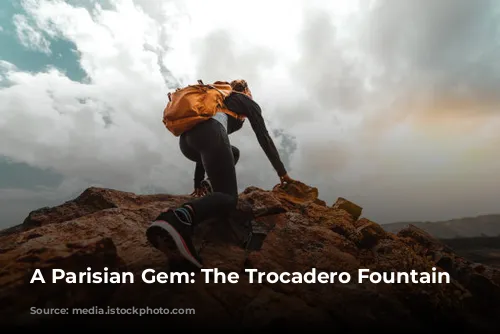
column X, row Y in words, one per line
column 287, row 229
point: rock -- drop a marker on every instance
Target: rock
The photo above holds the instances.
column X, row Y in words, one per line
column 369, row 233
column 93, row 200
column 479, row 268
column 477, row 279
column 261, row 202
column 353, row 209
column 296, row 193
column 46, row 253
column 287, row 229
column 274, row 310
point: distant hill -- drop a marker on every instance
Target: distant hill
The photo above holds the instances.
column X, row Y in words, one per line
column 475, row 238
column 469, row 227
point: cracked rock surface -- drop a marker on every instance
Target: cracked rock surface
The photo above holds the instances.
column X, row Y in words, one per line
column 282, row 230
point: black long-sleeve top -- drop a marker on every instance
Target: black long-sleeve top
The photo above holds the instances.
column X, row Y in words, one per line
column 243, row 105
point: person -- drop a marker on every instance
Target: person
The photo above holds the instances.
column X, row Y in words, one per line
column 208, row 142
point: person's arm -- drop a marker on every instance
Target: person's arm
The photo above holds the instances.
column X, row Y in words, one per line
column 242, row 104
column 199, row 175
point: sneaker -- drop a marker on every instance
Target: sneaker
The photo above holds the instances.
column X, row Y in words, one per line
column 207, row 185
column 173, row 237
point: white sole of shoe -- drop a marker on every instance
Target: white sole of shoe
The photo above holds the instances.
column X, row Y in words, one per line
column 161, row 234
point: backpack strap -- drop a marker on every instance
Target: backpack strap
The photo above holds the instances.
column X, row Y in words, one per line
column 200, row 82
column 217, row 89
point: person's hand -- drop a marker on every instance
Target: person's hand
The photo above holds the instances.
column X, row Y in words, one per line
column 198, row 192
column 286, row 179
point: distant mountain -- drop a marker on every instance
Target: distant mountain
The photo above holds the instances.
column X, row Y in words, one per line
column 474, row 238
column 469, row 227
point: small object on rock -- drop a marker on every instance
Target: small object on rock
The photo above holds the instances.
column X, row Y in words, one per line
column 258, row 235
column 256, row 240
column 353, row 209
column 370, row 233
column 241, row 228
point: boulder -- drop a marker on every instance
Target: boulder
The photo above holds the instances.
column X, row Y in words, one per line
column 286, row 229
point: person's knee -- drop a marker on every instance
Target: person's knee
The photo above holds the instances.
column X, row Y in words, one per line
column 188, row 151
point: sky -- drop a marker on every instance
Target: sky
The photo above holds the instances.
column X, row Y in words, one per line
column 393, row 105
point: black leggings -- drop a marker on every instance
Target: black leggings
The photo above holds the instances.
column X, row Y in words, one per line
column 209, row 143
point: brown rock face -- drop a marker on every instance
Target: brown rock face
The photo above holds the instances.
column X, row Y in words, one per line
column 283, row 230
column 353, row 209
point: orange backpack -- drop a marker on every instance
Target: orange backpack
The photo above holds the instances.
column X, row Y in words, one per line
column 194, row 104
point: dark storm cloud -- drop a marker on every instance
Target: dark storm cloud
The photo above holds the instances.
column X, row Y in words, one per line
column 439, row 53
column 445, row 51
column 400, row 62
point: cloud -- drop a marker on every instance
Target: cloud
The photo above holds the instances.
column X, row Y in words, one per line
column 439, row 53
column 106, row 130
column 390, row 104
column 30, row 37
